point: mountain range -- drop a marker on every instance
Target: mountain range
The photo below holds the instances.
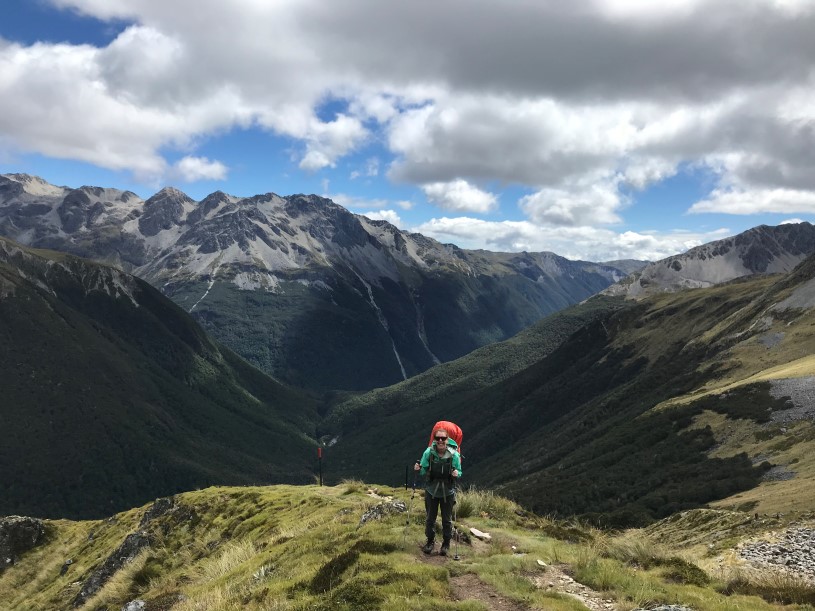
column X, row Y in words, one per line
column 302, row 288
column 761, row 250
column 678, row 397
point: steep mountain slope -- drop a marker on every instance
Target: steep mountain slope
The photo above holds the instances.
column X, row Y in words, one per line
column 761, row 250
column 299, row 286
column 627, row 418
column 112, row 395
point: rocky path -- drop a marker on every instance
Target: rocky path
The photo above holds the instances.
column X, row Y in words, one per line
column 556, row 579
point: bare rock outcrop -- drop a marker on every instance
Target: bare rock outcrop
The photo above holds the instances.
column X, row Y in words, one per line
column 18, row 534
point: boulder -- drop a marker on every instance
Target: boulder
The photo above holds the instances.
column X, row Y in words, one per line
column 18, row 534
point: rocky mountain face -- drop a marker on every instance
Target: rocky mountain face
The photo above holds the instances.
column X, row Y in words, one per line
column 302, row 288
column 759, row 250
column 113, row 395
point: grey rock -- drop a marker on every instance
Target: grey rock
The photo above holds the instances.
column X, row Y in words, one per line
column 134, row 605
column 162, row 211
column 18, row 534
column 793, row 553
column 157, row 509
column 122, row 556
column 381, row 510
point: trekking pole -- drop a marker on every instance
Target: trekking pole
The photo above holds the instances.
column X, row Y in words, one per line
column 410, row 506
column 455, row 530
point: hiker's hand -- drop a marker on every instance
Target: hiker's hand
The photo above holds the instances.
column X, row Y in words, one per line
column 417, row 467
column 455, row 473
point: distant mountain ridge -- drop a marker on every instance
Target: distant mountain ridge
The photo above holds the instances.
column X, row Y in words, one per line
column 759, row 250
column 304, row 289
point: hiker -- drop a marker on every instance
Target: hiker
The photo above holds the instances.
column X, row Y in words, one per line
column 442, row 467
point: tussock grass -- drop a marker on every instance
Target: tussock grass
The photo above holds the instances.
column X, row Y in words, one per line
column 299, row 548
column 233, row 555
column 635, row 550
column 773, row 586
column 353, row 485
column 486, row 504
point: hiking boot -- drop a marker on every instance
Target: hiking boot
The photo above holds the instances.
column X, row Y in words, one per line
column 445, row 547
column 428, row 547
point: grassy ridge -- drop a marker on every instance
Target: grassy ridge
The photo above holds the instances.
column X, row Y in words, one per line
column 298, row 548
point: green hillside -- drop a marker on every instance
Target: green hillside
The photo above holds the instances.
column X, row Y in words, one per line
column 614, row 422
column 353, row 548
column 112, row 395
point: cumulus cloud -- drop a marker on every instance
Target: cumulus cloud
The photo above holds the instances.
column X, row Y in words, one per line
column 459, row 195
column 586, row 243
column 351, row 201
column 386, row 215
column 191, row 169
column 754, row 201
column 593, row 204
column 577, row 103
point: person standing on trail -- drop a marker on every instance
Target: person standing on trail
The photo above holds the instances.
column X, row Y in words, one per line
column 441, row 467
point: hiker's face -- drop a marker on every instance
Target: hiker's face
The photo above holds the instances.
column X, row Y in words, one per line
column 441, row 439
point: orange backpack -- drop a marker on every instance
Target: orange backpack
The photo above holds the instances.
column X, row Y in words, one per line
column 453, row 430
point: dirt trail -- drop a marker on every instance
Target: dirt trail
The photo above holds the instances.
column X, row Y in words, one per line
column 470, row 587
column 552, row 578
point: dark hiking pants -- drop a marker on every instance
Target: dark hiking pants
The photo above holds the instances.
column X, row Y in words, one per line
column 431, row 505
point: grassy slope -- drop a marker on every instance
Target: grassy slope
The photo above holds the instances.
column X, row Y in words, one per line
column 106, row 404
column 586, row 430
column 300, row 548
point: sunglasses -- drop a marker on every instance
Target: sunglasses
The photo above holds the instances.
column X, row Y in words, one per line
column 441, row 438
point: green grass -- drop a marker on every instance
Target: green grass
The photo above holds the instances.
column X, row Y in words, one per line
column 298, row 548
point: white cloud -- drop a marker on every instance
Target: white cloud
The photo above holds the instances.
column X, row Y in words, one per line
column 191, row 169
column 326, row 142
column 585, row 243
column 351, row 201
column 572, row 101
column 754, row 201
column 459, row 195
column 386, row 215
column 371, row 169
column 586, row 205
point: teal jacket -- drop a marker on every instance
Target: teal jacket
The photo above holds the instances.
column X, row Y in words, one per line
column 437, row 469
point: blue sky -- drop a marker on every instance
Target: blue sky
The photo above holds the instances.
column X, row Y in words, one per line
column 612, row 129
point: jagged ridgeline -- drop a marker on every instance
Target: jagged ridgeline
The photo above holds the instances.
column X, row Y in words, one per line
column 112, row 395
column 302, row 288
column 624, row 411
